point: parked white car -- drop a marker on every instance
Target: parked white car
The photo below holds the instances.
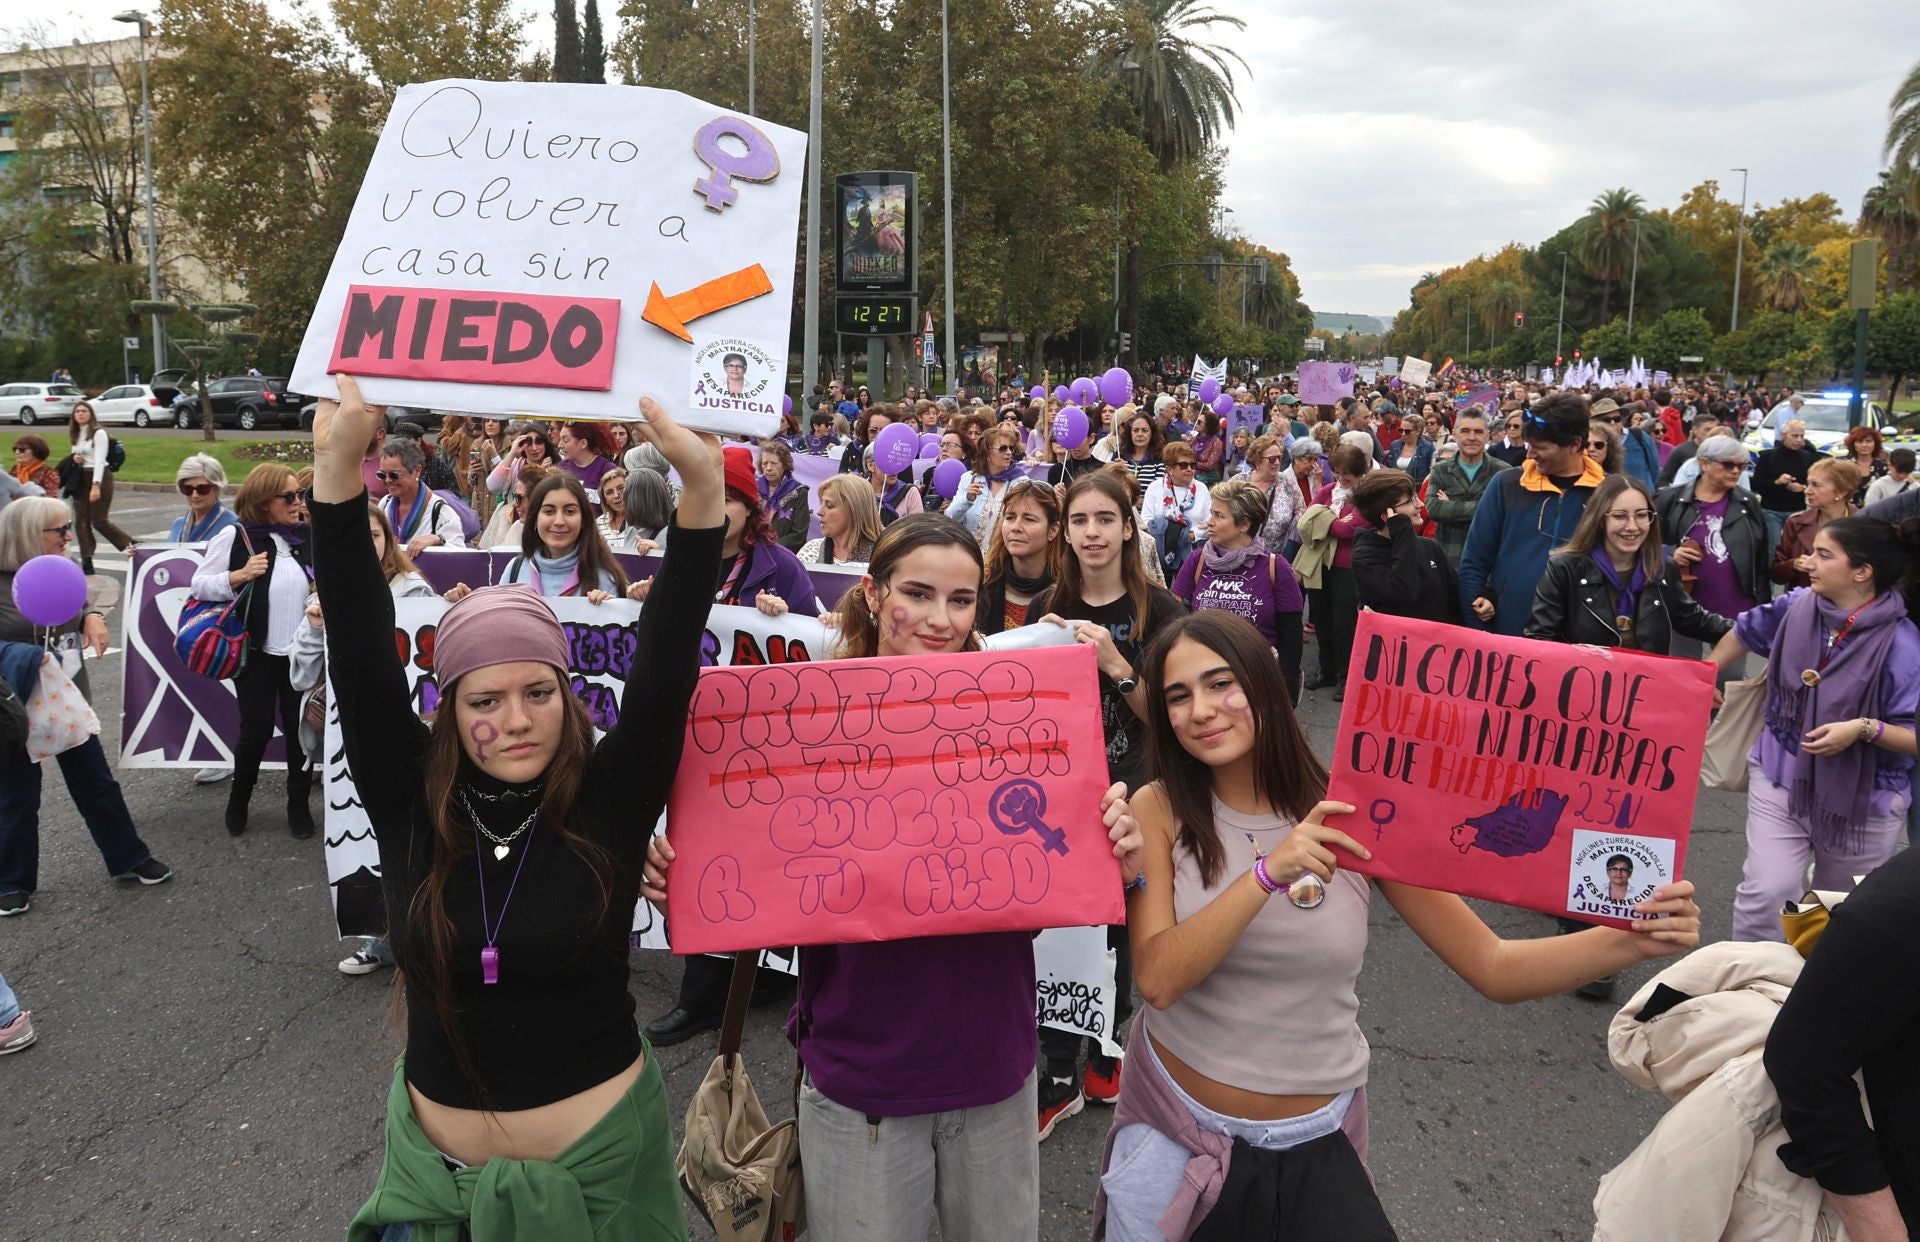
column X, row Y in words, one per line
column 132, row 403
column 38, row 403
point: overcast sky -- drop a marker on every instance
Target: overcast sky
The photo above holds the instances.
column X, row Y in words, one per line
column 1380, row 141
column 1383, row 140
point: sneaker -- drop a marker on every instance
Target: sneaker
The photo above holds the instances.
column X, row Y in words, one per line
column 152, row 871
column 1101, row 1081
column 1599, row 989
column 361, row 963
column 1060, row 1098
column 211, row 776
column 17, row 1034
column 15, row 903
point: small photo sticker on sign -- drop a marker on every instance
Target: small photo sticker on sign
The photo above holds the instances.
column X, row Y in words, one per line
column 1612, row 871
column 736, row 386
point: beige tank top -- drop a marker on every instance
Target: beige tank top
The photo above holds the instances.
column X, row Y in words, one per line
column 1279, row 1014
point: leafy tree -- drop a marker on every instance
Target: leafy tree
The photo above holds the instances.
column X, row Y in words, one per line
column 1890, row 210
column 1903, row 122
column 1771, row 341
column 1680, row 333
column 423, row 40
column 567, row 51
column 264, row 177
column 1606, row 239
column 1893, row 339
column 1608, row 342
column 1788, row 267
column 593, row 47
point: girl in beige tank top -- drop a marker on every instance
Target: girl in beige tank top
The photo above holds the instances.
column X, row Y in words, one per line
column 1248, row 938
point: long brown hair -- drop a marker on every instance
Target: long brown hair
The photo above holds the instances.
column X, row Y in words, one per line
column 1067, row 598
column 396, row 561
column 859, row 628
column 595, row 557
column 1591, row 533
column 1042, row 497
column 1287, row 775
column 453, row 845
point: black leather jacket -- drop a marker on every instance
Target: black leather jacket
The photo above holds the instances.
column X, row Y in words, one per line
column 1574, row 604
column 1749, row 549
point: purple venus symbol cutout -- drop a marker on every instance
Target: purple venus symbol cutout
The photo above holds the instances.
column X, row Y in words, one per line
column 761, row 162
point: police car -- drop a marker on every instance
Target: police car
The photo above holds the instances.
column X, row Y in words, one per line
column 1825, row 415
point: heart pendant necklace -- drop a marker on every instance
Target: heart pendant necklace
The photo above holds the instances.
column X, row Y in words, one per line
column 501, row 845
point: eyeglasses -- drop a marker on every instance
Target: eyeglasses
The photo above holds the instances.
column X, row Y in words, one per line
column 195, row 489
column 1273, row 459
column 288, row 497
column 64, row 530
column 1640, row 516
column 1619, row 870
column 1179, row 465
column 389, row 476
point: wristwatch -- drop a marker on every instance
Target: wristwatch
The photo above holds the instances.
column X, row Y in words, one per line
column 1126, row 685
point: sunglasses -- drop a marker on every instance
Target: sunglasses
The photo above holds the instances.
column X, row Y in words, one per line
column 64, row 530
column 195, row 489
column 1273, row 459
column 389, row 476
column 288, row 497
column 519, row 498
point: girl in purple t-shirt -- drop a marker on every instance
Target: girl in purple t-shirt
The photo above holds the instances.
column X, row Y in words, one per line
column 586, row 453
column 1232, row 573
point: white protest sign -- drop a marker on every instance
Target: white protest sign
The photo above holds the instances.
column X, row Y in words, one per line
column 550, row 247
column 1415, row 371
column 735, row 380
column 1073, row 972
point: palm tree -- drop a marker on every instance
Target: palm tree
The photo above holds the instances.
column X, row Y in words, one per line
column 1903, row 123
column 1181, row 88
column 1787, row 267
column 1605, row 241
column 1499, row 298
column 1891, row 212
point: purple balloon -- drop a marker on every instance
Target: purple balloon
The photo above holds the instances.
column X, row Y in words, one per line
column 786, row 404
column 929, row 444
column 1062, row 393
column 1085, row 391
column 1070, row 427
column 1209, row 389
column 50, row 590
column 946, row 478
column 1116, row 386
column 894, row 447
column 1223, row 405
column 1037, row 393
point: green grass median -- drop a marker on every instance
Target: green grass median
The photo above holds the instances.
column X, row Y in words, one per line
column 155, row 458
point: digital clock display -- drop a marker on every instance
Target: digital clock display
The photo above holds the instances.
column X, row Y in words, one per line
column 872, row 315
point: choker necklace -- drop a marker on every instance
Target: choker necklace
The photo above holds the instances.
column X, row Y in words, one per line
column 530, row 791
column 500, row 844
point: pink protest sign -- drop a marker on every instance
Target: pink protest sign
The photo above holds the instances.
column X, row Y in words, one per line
column 1324, row 383
column 477, row 338
column 853, row 800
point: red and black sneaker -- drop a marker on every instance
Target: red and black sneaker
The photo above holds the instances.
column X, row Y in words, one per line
column 1100, row 1082
column 1060, row 1098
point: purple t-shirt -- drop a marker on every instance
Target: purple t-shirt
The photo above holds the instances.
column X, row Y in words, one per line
column 1266, row 587
column 589, row 475
column 1718, row 589
column 1899, row 695
column 903, row 1028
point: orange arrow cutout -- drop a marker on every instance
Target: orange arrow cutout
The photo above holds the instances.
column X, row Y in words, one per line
column 674, row 313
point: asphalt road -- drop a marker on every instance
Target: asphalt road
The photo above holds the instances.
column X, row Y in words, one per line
column 204, row 1071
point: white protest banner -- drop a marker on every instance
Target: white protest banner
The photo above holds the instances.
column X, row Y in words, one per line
column 522, row 246
column 1389, row 366
column 1073, row 973
column 1415, row 371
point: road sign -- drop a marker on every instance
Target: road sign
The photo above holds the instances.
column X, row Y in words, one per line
column 131, row 342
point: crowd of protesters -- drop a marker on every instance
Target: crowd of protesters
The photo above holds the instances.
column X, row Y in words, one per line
column 1195, row 546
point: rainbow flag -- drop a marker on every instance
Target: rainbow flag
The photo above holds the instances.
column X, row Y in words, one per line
column 1445, row 369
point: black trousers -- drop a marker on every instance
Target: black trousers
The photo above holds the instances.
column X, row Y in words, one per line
column 1335, row 629
column 265, row 686
column 1289, row 641
column 1061, row 1049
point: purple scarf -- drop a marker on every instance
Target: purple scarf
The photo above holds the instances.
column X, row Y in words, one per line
column 1225, row 562
column 1832, row 792
column 1015, row 471
column 817, row 445
column 1627, row 594
column 787, row 486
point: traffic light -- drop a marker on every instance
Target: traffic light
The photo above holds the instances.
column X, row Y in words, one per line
column 1126, row 342
column 1519, row 318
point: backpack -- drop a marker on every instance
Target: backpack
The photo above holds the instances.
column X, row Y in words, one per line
column 13, row 721
column 469, row 520
column 116, row 454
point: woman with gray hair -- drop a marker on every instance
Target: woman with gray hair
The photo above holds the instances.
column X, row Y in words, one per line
column 41, row 526
column 200, row 478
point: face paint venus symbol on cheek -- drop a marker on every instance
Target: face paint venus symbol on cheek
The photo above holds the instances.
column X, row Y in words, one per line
column 1237, row 702
column 482, row 735
column 897, row 622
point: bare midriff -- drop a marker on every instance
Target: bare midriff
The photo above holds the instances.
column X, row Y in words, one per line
column 475, row 1136
column 1235, row 1101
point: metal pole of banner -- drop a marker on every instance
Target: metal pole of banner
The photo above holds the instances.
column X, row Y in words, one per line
column 946, row 143
column 810, row 347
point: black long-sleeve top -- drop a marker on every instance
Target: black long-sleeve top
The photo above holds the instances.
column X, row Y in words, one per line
column 1402, row 573
column 560, row 1019
column 1856, row 1009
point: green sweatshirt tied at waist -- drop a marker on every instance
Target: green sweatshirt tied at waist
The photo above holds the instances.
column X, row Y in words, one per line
column 615, row 1183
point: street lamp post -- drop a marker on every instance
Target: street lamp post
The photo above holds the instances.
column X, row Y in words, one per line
column 946, row 159
column 750, row 6
column 1739, row 249
column 810, row 358
column 139, row 19
column 1633, row 284
column 1560, row 320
